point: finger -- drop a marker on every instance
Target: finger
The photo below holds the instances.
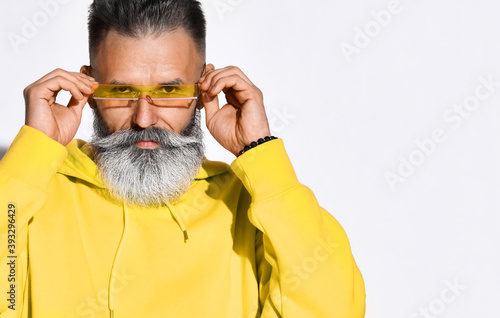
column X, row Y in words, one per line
column 238, row 71
column 242, row 90
column 55, row 73
column 212, row 76
column 85, row 89
column 89, row 80
column 80, row 76
column 208, row 68
column 54, row 97
column 208, row 80
column 81, row 80
column 51, row 87
column 77, row 105
column 84, row 86
column 233, row 70
column 211, row 105
column 204, row 81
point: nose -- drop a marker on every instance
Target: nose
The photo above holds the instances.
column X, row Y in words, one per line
column 145, row 114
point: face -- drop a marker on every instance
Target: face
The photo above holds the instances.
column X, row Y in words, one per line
column 161, row 149
column 170, row 58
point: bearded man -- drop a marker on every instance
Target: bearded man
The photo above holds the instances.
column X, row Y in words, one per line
column 138, row 222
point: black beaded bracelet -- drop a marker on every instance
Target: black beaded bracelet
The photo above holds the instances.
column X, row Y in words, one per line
column 254, row 144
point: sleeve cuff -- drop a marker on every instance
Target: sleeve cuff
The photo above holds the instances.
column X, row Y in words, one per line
column 33, row 157
column 266, row 170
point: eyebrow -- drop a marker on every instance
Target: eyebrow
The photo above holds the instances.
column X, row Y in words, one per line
column 176, row 81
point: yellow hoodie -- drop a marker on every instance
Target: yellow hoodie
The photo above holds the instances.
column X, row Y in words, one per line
column 247, row 240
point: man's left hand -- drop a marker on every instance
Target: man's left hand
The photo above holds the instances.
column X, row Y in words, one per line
column 243, row 119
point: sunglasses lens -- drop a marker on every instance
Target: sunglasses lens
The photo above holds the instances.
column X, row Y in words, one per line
column 159, row 95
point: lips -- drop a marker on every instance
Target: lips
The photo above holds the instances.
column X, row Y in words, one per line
column 147, row 144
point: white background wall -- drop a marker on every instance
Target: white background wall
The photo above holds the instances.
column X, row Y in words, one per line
column 349, row 119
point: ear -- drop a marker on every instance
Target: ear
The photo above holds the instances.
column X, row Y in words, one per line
column 86, row 70
column 208, row 68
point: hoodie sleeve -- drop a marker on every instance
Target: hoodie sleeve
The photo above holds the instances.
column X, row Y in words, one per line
column 25, row 171
column 304, row 264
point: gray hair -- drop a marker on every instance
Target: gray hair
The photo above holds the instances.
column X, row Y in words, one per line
column 137, row 18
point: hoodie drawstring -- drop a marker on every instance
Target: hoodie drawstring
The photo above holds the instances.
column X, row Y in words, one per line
column 120, row 243
column 179, row 222
column 117, row 253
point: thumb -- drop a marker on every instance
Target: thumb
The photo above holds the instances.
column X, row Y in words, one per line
column 77, row 105
column 211, row 105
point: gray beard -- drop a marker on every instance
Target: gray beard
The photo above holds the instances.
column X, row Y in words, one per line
column 148, row 177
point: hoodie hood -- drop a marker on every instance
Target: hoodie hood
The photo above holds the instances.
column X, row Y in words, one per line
column 80, row 164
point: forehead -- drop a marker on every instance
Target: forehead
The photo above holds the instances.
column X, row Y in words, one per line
column 172, row 53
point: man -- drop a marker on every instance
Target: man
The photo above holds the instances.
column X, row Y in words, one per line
column 138, row 223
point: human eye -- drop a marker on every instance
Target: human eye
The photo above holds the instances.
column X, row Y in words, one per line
column 170, row 89
column 122, row 90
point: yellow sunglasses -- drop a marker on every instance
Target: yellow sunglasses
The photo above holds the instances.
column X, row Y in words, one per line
column 158, row 95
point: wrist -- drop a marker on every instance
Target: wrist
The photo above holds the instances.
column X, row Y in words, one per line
column 255, row 143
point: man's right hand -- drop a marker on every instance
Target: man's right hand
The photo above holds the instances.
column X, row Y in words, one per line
column 57, row 121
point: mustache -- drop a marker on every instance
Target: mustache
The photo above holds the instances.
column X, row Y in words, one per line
column 127, row 138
